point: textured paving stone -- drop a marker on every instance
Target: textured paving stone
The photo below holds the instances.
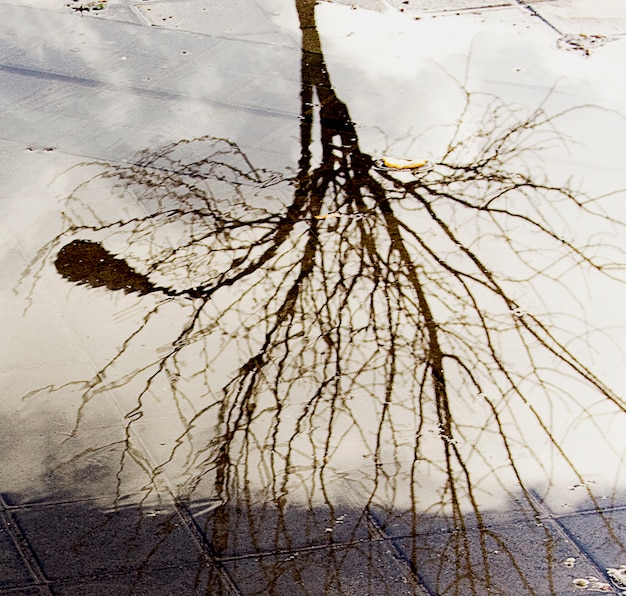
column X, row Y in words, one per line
column 517, row 559
column 450, row 5
column 593, row 17
column 236, row 530
column 125, row 80
column 396, row 522
column 366, row 4
column 217, row 18
column 26, row 592
column 565, row 498
column 185, row 581
column 13, row 569
column 602, row 535
column 365, row 568
column 76, row 540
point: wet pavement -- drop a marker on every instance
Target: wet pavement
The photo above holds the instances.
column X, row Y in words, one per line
column 312, row 298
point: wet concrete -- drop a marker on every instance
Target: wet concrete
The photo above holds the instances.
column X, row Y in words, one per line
column 240, row 357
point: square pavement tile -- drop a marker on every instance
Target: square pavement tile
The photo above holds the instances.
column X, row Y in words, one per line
column 25, row 592
column 13, row 569
column 397, row 522
column 77, row 540
column 601, row 534
column 518, row 559
column 449, row 5
column 41, row 468
column 185, row 580
column 565, row 498
column 365, row 568
column 366, row 4
column 591, row 17
column 236, row 529
column 243, row 19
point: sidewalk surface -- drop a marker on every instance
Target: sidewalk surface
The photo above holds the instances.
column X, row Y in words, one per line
column 244, row 354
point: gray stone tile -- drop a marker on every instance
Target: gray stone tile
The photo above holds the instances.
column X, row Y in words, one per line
column 395, row 517
column 602, row 535
column 401, row 522
column 365, row 568
column 43, row 466
column 564, row 498
column 142, row 85
column 34, row 591
column 186, row 581
column 237, row 529
column 16, row 88
column 13, row 570
column 450, row 5
column 592, row 17
column 367, row 4
column 222, row 19
column 518, row 559
column 79, row 539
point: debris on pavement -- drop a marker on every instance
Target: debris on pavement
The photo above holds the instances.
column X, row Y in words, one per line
column 582, row 42
column 403, row 165
column 337, row 214
column 87, row 7
column 583, row 484
column 593, row 584
column 329, row 215
column 618, row 576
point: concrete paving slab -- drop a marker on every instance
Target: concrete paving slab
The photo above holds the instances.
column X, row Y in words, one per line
column 188, row 580
column 221, row 19
column 394, row 522
column 80, row 540
column 243, row 529
column 591, row 17
column 510, row 559
column 378, row 5
column 593, row 493
column 294, row 519
column 13, row 570
column 600, row 534
column 80, row 474
column 46, row 463
column 115, row 70
column 364, row 568
column 450, row 5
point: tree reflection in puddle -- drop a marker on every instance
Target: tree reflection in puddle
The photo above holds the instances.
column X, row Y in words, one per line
column 360, row 320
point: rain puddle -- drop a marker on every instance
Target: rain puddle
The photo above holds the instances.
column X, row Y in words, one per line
column 371, row 370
